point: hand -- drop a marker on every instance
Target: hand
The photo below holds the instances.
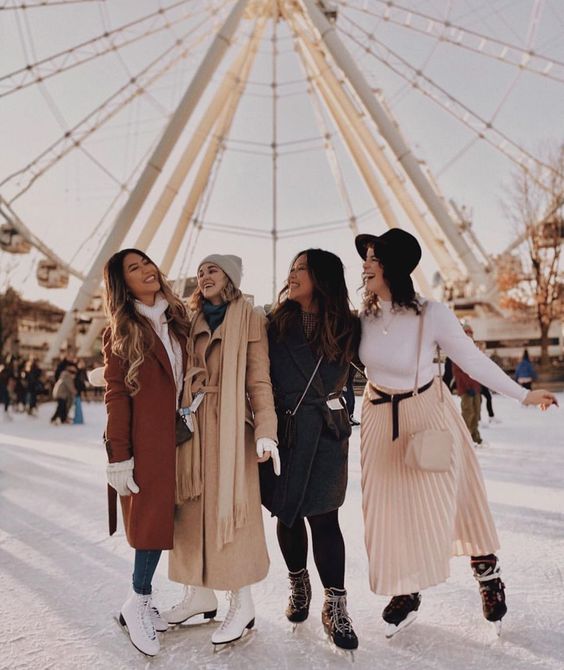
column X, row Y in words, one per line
column 120, row 477
column 96, row 377
column 267, row 448
column 540, row 397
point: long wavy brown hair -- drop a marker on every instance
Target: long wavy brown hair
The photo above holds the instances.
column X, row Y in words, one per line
column 131, row 334
column 337, row 334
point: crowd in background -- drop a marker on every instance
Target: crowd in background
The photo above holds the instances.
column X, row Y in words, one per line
column 24, row 384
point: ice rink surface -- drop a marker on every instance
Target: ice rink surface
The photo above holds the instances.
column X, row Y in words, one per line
column 62, row 578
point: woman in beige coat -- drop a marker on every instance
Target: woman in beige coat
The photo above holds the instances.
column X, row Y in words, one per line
column 219, row 536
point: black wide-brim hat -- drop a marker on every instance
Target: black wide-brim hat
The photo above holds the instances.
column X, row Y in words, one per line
column 396, row 248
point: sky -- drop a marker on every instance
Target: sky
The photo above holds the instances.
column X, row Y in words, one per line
column 72, row 205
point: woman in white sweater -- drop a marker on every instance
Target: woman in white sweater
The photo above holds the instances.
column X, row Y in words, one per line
column 415, row 519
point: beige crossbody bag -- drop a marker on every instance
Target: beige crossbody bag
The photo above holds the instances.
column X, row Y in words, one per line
column 430, row 449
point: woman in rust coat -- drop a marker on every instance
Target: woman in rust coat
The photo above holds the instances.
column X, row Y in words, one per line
column 145, row 363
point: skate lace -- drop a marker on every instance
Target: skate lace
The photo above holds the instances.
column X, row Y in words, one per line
column 188, row 593
column 299, row 596
column 234, row 604
column 340, row 618
column 144, row 616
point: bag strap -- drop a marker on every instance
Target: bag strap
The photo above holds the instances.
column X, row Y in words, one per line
column 297, row 407
column 419, row 343
column 438, row 352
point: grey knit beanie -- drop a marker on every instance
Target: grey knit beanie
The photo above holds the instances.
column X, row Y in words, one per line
column 231, row 265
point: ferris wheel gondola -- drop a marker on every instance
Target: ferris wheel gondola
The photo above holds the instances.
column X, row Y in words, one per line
column 12, row 241
column 51, row 275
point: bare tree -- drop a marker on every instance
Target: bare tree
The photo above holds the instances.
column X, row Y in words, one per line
column 10, row 307
column 531, row 281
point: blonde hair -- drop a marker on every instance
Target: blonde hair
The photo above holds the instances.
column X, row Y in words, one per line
column 228, row 294
column 131, row 334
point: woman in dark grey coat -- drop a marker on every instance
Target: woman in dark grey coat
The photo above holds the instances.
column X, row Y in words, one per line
column 313, row 337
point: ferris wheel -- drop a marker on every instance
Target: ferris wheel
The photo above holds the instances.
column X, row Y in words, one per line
column 164, row 124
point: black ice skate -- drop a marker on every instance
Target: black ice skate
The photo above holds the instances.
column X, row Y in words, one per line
column 336, row 620
column 300, row 596
column 400, row 612
column 487, row 572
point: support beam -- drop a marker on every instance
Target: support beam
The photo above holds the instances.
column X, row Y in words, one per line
column 220, row 130
column 152, row 170
column 192, row 150
column 389, row 132
column 355, row 149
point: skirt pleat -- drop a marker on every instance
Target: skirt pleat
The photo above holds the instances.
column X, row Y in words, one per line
column 415, row 520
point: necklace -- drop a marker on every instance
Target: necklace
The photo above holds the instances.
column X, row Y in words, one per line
column 386, row 326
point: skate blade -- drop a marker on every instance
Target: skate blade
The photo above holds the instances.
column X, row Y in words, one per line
column 393, row 629
column 195, row 619
column 339, row 651
column 497, row 625
column 243, row 639
column 123, row 628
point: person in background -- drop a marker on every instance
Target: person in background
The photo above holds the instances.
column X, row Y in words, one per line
column 63, row 394
column 6, row 380
column 525, row 373
column 469, row 392
column 348, row 395
column 34, row 385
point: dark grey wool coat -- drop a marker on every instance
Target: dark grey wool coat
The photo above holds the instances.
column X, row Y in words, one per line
column 313, row 477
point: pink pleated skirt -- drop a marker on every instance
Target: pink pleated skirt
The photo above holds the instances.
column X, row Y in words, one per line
column 414, row 520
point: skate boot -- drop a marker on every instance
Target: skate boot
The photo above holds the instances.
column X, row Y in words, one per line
column 487, row 573
column 240, row 617
column 336, row 620
column 135, row 615
column 400, row 612
column 300, row 596
column 158, row 622
column 196, row 600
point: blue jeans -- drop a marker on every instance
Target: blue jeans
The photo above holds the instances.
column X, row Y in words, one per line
column 146, row 561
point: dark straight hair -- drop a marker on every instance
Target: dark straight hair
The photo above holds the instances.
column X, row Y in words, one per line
column 337, row 334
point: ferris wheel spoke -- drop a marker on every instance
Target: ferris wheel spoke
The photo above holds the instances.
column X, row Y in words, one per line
column 37, row 4
column 101, row 45
column 105, row 111
column 460, row 111
column 465, row 38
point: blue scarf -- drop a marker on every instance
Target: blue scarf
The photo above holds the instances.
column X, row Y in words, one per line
column 214, row 314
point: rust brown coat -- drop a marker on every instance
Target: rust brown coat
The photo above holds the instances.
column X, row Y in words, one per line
column 143, row 426
column 196, row 559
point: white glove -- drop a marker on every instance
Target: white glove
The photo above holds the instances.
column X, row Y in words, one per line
column 267, row 446
column 96, row 377
column 120, row 477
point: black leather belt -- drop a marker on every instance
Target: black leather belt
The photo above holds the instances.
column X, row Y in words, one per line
column 395, row 399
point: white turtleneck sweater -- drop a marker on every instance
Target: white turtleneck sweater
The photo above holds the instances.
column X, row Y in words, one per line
column 390, row 358
column 156, row 316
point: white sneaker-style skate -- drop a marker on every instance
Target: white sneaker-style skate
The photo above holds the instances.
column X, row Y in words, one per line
column 239, row 618
column 197, row 600
column 135, row 615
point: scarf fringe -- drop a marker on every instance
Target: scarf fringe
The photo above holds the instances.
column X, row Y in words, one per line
column 188, row 477
column 227, row 526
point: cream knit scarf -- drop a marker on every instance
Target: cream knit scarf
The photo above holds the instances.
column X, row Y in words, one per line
column 156, row 316
column 233, row 503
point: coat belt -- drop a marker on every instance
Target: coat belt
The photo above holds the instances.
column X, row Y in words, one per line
column 395, row 399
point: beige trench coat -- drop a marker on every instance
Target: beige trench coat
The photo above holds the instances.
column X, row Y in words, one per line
column 196, row 559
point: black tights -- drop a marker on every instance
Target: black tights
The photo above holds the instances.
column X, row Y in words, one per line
column 328, row 547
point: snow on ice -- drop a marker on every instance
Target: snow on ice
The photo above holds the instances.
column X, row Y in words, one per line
column 62, row 579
